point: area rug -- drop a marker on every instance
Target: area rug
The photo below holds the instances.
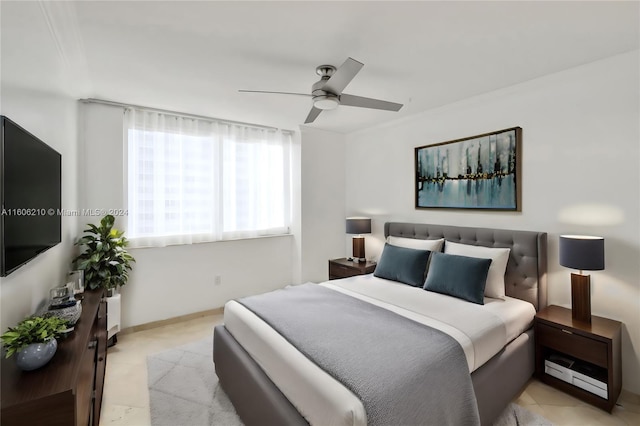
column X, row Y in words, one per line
column 184, row 391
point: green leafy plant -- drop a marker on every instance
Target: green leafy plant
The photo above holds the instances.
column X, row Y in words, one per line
column 105, row 261
column 32, row 330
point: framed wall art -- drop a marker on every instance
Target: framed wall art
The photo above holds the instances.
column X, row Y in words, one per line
column 478, row 172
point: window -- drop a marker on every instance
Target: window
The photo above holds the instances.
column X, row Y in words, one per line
column 192, row 180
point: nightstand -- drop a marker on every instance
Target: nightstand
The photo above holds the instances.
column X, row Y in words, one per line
column 579, row 358
column 343, row 268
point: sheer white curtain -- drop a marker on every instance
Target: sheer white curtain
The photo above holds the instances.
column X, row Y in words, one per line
column 192, row 180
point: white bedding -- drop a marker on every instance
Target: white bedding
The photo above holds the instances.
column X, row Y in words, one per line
column 481, row 330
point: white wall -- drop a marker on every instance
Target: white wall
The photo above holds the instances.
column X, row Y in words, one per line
column 322, row 201
column 53, row 119
column 102, row 160
column 177, row 280
column 30, row 96
column 580, row 145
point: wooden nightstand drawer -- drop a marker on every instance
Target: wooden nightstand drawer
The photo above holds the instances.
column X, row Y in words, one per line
column 343, row 268
column 570, row 343
column 341, row 271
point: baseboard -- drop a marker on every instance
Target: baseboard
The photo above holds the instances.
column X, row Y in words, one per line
column 630, row 397
column 169, row 321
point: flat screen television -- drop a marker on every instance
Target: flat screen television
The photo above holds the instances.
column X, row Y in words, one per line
column 30, row 191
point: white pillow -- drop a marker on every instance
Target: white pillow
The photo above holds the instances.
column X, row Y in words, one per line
column 412, row 243
column 499, row 258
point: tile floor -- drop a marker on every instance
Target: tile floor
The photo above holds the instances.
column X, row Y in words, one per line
column 126, row 397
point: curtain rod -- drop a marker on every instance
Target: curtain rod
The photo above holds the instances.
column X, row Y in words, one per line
column 183, row 114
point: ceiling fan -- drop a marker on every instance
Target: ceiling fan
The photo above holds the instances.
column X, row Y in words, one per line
column 327, row 92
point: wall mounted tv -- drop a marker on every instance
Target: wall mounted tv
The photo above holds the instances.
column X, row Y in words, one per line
column 30, row 191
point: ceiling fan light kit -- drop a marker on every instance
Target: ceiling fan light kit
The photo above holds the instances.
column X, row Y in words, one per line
column 326, row 93
column 326, row 102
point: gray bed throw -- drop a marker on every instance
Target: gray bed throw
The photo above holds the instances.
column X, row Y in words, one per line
column 405, row 373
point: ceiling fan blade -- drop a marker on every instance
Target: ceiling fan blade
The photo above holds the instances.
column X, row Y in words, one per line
column 343, row 76
column 362, row 102
column 277, row 93
column 313, row 114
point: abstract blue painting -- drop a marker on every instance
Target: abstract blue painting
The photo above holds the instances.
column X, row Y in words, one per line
column 478, row 172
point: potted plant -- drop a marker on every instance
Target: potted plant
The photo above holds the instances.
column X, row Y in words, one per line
column 33, row 341
column 105, row 261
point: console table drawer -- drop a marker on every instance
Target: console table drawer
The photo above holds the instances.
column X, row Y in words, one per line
column 570, row 343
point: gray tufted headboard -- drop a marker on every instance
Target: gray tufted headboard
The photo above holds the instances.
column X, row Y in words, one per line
column 526, row 275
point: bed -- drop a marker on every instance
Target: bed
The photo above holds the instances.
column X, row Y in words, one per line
column 495, row 380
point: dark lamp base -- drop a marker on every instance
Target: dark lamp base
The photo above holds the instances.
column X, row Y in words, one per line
column 358, row 247
column 581, row 297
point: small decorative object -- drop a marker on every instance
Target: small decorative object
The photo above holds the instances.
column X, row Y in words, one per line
column 359, row 226
column 583, row 253
column 32, row 340
column 112, row 291
column 478, row 172
column 105, row 261
column 61, row 303
column 77, row 278
column 70, row 314
column 60, row 293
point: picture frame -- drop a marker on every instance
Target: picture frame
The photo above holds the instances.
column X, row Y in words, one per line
column 482, row 172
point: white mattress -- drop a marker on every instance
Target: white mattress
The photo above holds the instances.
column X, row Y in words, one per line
column 481, row 330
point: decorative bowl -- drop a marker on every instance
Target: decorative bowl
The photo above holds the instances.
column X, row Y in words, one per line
column 70, row 314
column 36, row 355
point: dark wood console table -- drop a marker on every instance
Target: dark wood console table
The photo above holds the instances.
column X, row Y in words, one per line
column 68, row 390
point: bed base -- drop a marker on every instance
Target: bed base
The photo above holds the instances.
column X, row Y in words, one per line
column 256, row 399
column 259, row 402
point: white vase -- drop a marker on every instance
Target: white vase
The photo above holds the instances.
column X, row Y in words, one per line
column 36, row 355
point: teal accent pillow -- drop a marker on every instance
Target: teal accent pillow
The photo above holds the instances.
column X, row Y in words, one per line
column 402, row 264
column 458, row 276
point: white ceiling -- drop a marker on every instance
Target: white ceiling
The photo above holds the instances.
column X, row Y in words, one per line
column 194, row 56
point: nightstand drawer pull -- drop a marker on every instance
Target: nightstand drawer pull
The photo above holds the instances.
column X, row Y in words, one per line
column 567, row 331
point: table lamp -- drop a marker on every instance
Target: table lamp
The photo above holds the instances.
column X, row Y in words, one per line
column 583, row 253
column 359, row 226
